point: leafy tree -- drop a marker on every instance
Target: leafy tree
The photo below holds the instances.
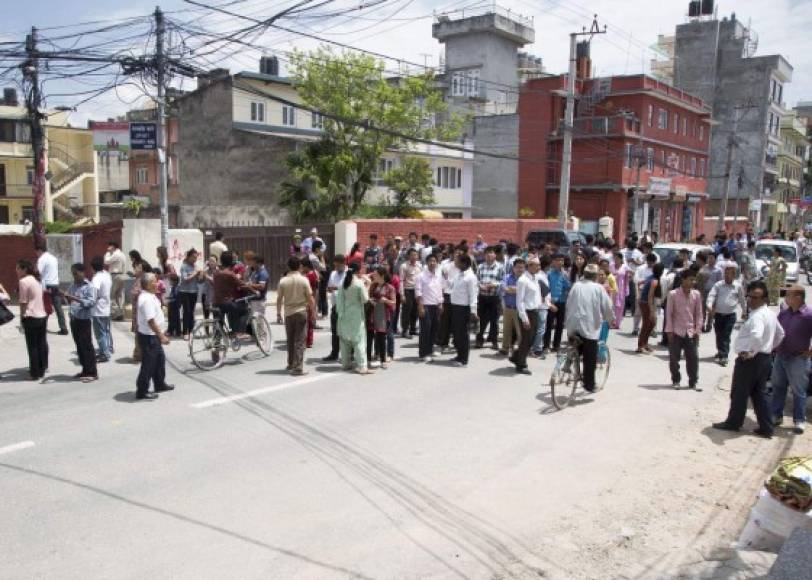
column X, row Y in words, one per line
column 411, row 183
column 362, row 108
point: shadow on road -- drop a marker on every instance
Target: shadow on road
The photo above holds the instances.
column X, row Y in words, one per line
column 18, row 374
column 187, row 520
column 580, row 398
column 504, row 372
column 663, row 387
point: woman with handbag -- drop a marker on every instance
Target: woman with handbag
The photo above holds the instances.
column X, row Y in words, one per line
column 6, row 315
column 34, row 319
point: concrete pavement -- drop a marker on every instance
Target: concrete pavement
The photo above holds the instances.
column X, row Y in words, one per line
column 418, row 471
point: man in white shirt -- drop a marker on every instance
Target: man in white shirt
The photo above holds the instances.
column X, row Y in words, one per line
column 334, row 282
column 151, row 338
column 588, row 306
column 100, row 313
column 48, row 268
column 757, row 338
column 428, row 292
column 218, row 246
column 116, row 263
column 545, row 307
column 724, row 298
column 640, row 275
column 463, row 296
column 528, row 302
column 409, row 273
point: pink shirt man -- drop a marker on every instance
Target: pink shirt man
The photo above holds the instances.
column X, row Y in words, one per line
column 684, row 313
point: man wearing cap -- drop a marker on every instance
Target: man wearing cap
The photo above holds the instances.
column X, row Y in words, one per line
column 588, row 305
column 724, row 297
column 296, row 245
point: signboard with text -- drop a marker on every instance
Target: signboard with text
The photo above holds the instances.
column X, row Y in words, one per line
column 660, row 186
column 143, row 136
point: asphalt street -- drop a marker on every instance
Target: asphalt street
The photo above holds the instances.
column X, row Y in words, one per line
column 417, row 471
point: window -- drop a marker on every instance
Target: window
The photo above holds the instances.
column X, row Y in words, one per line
column 628, row 155
column 651, row 115
column 29, row 175
column 662, row 161
column 676, row 123
column 316, row 121
column 650, row 159
column 465, row 83
column 459, row 177
column 448, row 177
column 662, row 121
column 288, row 116
column 693, row 165
column 444, row 182
column 142, row 175
column 702, row 167
column 702, row 132
column 473, row 83
column 258, row 112
column 685, row 126
column 452, row 215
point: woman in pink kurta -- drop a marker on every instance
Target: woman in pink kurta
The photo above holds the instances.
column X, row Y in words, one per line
column 621, row 272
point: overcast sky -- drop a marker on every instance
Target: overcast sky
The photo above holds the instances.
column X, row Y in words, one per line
column 402, row 28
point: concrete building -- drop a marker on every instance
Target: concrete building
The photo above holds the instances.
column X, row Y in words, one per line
column 482, row 71
column 71, row 188
column 787, row 213
column 631, row 134
column 715, row 60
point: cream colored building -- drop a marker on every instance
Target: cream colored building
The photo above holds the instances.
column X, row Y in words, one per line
column 71, row 190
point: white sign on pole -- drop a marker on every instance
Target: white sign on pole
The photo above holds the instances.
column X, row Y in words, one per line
column 660, row 186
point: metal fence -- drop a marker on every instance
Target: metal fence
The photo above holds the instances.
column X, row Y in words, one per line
column 270, row 242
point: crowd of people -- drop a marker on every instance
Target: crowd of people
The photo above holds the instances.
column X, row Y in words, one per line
column 521, row 301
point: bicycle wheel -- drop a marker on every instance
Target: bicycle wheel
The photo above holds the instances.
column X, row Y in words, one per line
column 262, row 334
column 602, row 368
column 208, row 345
column 564, row 379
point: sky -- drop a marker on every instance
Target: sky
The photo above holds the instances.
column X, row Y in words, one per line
column 402, row 29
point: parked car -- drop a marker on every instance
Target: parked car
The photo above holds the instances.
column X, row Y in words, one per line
column 667, row 252
column 564, row 238
column 764, row 255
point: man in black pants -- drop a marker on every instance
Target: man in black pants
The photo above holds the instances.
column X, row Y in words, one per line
column 528, row 303
column 429, row 294
column 333, row 284
column 82, row 297
column 490, row 274
column 559, row 290
column 463, row 295
column 757, row 338
column 151, row 339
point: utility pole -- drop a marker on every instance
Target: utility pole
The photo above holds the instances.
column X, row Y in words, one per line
column 160, row 30
column 569, row 119
column 731, row 144
column 638, row 155
column 33, row 102
column 739, row 183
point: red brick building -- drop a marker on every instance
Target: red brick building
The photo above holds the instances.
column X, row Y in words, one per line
column 620, row 123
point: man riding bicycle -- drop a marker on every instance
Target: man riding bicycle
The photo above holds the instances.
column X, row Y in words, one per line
column 588, row 306
column 228, row 288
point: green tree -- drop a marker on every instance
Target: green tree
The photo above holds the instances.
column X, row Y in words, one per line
column 411, row 185
column 330, row 178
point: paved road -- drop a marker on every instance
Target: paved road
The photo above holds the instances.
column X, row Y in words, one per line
column 418, row 471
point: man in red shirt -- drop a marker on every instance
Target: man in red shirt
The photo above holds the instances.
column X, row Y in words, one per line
column 227, row 288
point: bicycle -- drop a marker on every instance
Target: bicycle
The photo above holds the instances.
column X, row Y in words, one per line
column 212, row 338
column 567, row 375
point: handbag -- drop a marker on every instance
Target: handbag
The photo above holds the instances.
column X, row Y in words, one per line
column 6, row 315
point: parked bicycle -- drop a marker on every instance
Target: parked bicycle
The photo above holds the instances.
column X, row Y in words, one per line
column 567, row 371
column 212, row 339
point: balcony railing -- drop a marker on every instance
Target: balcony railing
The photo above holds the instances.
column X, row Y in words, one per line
column 600, row 126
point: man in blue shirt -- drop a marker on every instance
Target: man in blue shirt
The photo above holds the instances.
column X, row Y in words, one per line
column 259, row 283
column 559, row 291
column 511, row 327
column 82, row 297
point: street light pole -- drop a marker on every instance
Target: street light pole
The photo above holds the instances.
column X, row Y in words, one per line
column 569, row 119
column 160, row 30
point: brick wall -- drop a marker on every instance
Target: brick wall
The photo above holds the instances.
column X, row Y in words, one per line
column 14, row 248
column 452, row 230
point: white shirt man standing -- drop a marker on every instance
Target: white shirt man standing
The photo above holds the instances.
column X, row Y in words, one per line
column 151, row 338
column 334, row 282
column 463, row 297
column 758, row 337
column 428, row 292
column 48, row 268
column 116, row 263
column 103, row 283
column 528, row 303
